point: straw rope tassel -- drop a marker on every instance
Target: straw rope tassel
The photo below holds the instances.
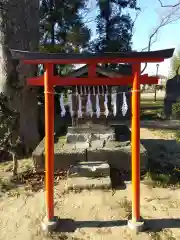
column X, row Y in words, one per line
column 124, row 105
column 106, row 112
column 80, row 104
column 70, row 103
column 89, row 110
column 113, row 103
column 98, row 111
column 63, row 110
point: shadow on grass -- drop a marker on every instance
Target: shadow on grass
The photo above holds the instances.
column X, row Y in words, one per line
column 151, row 107
column 160, row 144
column 163, row 168
column 150, row 123
column 160, row 125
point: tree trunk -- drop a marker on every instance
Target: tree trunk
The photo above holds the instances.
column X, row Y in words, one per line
column 19, row 29
column 15, row 164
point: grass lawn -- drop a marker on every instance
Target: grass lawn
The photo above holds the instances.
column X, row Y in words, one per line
column 149, row 103
column 150, row 109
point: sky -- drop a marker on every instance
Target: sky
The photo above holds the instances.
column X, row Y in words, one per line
column 149, row 18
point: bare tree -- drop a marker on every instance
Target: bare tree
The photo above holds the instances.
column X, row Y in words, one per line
column 169, row 5
column 172, row 16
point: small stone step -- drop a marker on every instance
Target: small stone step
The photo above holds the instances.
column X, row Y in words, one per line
column 83, row 183
column 89, row 169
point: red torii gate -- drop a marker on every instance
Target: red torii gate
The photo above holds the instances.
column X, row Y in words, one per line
column 49, row 81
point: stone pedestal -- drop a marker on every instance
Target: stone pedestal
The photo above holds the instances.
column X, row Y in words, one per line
column 85, row 133
column 92, row 144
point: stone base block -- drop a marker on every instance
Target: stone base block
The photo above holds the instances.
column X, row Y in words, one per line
column 49, row 226
column 136, row 226
column 90, row 169
column 118, row 157
column 83, row 183
column 64, row 156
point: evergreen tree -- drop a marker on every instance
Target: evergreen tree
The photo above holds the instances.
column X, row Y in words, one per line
column 62, row 27
column 114, row 26
column 114, row 34
column 175, row 65
column 61, row 30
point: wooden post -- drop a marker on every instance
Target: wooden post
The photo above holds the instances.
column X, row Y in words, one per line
column 155, row 87
column 49, row 140
column 135, row 141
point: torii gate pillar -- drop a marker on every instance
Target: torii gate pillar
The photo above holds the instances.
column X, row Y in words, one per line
column 49, row 140
column 135, row 143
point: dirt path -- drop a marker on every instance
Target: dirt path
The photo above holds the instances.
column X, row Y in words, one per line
column 95, row 215
column 157, row 134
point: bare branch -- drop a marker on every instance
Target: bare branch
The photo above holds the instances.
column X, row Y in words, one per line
column 168, row 19
column 169, row 5
column 135, row 19
column 133, row 24
column 88, row 11
column 149, row 44
column 89, row 21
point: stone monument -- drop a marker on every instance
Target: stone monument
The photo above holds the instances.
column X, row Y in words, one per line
column 172, row 93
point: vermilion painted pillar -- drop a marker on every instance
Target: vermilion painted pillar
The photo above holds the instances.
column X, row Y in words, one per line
column 135, row 141
column 49, row 140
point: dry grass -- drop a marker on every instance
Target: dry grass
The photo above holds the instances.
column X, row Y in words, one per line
column 164, row 235
column 126, row 205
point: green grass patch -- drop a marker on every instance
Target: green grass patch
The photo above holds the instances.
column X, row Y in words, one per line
column 62, row 139
column 151, row 114
column 163, row 180
column 151, row 104
column 151, row 110
column 177, row 135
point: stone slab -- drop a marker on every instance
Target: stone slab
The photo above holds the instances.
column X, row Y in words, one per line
column 81, row 145
column 89, row 133
column 95, row 128
column 97, row 144
column 68, row 155
column 116, row 144
column 39, row 149
column 95, row 136
column 65, row 155
column 107, row 136
column 83, row 183
column 90, row 169
column 73, row 138
column 118, row 157
column 38, row 156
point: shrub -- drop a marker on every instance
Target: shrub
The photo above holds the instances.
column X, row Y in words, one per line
column 177, row 135
column 176, row 110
